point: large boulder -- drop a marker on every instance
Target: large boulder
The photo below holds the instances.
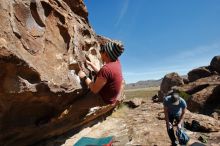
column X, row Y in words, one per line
column 215, row 64
column 198, row 100
column 202, row 95
column 43, row 44
column 206, row 123
column 198, row 73
column 170, row 80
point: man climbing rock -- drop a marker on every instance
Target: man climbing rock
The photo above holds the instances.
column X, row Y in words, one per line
column 109, row 78
column 174, row 109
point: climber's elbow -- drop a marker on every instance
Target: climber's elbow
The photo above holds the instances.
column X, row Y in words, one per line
column 98, row 85
column 94, row 89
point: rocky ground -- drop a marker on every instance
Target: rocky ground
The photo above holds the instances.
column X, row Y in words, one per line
column 138, row 126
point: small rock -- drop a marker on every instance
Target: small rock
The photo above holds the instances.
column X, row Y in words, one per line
column 203, row 139
column 215, row 115
column 135, row 102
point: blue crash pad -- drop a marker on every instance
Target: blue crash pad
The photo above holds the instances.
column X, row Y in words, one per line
column 88, row 141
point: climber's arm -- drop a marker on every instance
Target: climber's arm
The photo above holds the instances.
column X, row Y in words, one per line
column 96, row 86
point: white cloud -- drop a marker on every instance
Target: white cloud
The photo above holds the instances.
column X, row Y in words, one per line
column 131, row 77
column 198, row 51
column 122, row 12
column 154, row 72
column 181, row 63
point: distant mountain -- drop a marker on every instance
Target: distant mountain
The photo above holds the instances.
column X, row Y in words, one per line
column 147, row 83
column 144, row 84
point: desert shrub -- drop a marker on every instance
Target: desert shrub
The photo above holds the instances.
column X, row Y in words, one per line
column 184, row 95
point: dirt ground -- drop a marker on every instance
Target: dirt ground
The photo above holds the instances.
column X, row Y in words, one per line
column 138, row 126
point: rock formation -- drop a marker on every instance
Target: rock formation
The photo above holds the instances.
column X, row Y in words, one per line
column 43, row 44
column 203, row 90
column 142, row 126
column 202, row 94
column 215, row 64
column 198, row 73
column 169, row 80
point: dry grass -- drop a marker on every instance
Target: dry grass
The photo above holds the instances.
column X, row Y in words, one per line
column 145, row 93
column 120, row 111
column 141, row 93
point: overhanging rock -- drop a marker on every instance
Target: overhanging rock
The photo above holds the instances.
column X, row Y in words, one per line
column 43, row 44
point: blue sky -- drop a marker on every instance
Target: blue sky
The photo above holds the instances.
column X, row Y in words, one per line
column 160, row 36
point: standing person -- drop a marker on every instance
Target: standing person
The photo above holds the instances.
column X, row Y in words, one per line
column 174, row 109
column 108, row 81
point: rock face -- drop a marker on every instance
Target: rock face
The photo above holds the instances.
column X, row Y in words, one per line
column 203, row 94
column 203, row 90
column 43, row 44
column 198, row 73
column 206, row 123
column 169, row 80
column 215, row 64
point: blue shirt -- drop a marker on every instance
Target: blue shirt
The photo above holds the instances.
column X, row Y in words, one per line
column 174, row 110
